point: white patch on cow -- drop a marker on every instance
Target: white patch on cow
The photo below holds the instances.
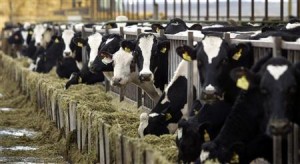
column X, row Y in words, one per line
column 67, row 36
column 94, row 42
column 179, row 133
column 153, row 114
column 172, row 127
column 26, row 25
column 122, row 61
column 185, row 111
column 109, row 40
column 175, row 24
column 210, row 88
column 32, row 67
column 204, row 155
column 298, row 40
column 211, row 46
column 277, row 71
column 143, row 124
column 292, row 25
column 24, row 36
column 166, row 99
column 38, row 31
column 38, row 59
column 146, row 44
column 106, row 60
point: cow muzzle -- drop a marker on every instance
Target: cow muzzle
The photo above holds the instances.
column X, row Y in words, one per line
column 116, row 81
column 67, row 54
column 145, row 77
column 211, row 96
column 280, row 127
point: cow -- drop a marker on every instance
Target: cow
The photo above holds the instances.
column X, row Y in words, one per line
column 174, row 26
column 203, row 126
column 264, row 107
column 215, row 58
column 98, row 47
column 213, row 66
column 151, row 57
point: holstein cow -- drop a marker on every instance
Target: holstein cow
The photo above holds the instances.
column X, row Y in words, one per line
column 266, row 106
column 151, row 57
column 215, row 58
column 98, row 47
column 203, row 125
column 174, row 26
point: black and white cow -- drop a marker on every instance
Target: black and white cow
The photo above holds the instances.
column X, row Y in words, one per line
column 174, row 26
column 215, row 58
column 99, row 49
column 266, row 106
column 151, row 57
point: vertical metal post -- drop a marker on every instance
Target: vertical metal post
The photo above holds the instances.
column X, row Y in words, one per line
column 174, row 9
column 132, row 10
column 290, row 148
column 190, row 9
column 298, row 9
column 252, row 10
column 296, row 143
column 198, row 9
column 281, row 10
column 181, row 9
column 139, row 90
column 240, row 10
column 145, row 9
column 137, row 10
column 290, row 7
column 277, row 150
column 266, row 10
column 127, row 10
column 84, row 55
column 207, row 10
column 217, row 9
column 190, row 85
column 228, row 9
column 277, row 47
column 166, row 10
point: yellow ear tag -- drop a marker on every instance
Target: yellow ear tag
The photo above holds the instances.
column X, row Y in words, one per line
column 168, row 116
column 206, row 136
column 163, row 50
column 79, row 44
column 243, row 83
column 186, row 56
column 30, row 32
column 235, row 158
column 195, row 111
column 126, row 49
column 157, row 30
column 237, row 55
column 56, row 40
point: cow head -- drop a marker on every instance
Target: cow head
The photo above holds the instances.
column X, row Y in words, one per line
column 16, row 38
column 215, row 58
column 103, row 62
column 41, row 37
column 67, row 37
column 277, row 82
column 124, row 64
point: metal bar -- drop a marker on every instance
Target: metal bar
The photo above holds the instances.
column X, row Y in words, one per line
column 190, row 9
column 277, row 47
column 84, row 54
column 207, row 10
column 166, row 9
column 217, row 9
column 240, row 10
column 137, row 10
column 127, row 10
column 277, row 150
column 281, row 10
column 132, row 10
column 228, row 9
column 181, row 9
column 252, row 10
column 290, row 148
column 145, row 9
column 266, row 10
column 174, row 9
column 198, row 9
column 190, row 76
column 298, row 9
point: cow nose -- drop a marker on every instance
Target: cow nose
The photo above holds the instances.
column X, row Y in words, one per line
column 145, row 77
column 116, row 81
column 209, row 93
column 280, row 126
column 68, row 54
column 38, row 45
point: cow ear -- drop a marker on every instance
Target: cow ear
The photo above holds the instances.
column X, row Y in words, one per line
column 240, row 51
column 203, row 130
column 128, row 45
column 157, row 27
column 197, row 27
column 79, row 42
column 163, row 46
column 244, row 78
column 186, row 52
